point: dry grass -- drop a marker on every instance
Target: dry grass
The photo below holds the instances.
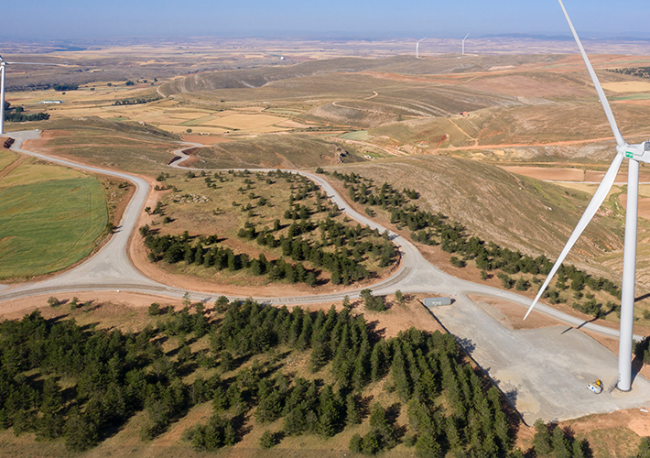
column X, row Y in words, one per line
column 245, row 122
column 537, row 85
column 513, row 211
column 548, row 173
column 627, row 86
column 220, row 212
column 272, row 151
column 129, row 147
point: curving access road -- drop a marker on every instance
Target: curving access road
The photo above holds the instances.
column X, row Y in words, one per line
column 111, row 269
column 543, row 372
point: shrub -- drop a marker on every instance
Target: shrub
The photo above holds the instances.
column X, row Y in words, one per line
column 456, row 262
column 268, row 440
column 374, row 303
column 506, row 281
column 355, row 443
column 53, row 302
column 154, row 309
column 522, row 285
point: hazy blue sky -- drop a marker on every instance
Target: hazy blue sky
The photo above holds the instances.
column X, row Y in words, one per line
column 73, row 19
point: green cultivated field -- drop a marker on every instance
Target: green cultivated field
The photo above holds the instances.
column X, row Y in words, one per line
column 47, row 226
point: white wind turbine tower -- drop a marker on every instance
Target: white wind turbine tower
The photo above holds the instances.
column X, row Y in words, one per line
column 3, row 65
column 417, row 48
column 463, row 51
column 634, row 154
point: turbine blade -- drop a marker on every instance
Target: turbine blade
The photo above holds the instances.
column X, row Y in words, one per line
column 603, row 100
column 589, row 213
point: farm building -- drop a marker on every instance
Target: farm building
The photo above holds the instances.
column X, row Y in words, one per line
column 436, row 301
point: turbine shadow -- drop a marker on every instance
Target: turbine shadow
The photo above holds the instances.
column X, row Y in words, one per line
column 640, row 298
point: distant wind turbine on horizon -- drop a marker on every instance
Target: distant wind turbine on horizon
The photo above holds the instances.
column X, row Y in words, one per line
column 3, row 65
column 417, row 48
column 463, row 49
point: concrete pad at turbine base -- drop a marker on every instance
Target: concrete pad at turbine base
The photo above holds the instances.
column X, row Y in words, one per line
column 543, row 372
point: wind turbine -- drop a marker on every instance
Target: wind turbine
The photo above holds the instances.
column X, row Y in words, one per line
column 3, row 65
column 417, row 48
column 463, row 51
column 634, row 154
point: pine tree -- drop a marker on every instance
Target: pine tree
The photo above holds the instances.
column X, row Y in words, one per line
column 318, row 356
column 355, row 443
column 200, row 327
column 296, row 326
column 580, row 446
column 370, row 444
column 267, row 440
column 381, row 428
column 80, row 434
column 427, row 446
column 352, row 415
column 328, row 412
column 255, row 267
column 398, row 372
column 560, row 443
column 376, row 368
column 542, row 439
column 305, row 334
column 198, row 256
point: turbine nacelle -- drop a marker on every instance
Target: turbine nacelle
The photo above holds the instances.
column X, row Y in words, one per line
column 639, row 152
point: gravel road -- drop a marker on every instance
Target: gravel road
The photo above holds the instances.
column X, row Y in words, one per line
column 543, row 372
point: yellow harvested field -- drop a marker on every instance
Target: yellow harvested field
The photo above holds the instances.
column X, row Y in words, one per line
column 548, row 173
column 292, row 124
column 204, row 120
column 584, row 187
column 167, row 114
column 621, row 177
column 33, row 171
column 644, row 205
column 102, row 112
column 102, row 94
column 253, row 109
column 267, row 130
column 627, row 86
column 184, row 114
column 6, row 158
column 246, row 121
column 177, row 129
column 589, row 188
column 644, row 190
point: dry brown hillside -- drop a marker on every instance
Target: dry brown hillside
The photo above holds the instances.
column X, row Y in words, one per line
column 511, row 210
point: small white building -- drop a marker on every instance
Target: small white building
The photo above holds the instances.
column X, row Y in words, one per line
column 52, row 101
